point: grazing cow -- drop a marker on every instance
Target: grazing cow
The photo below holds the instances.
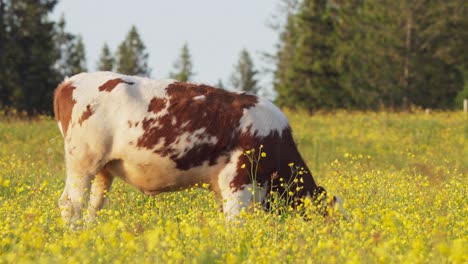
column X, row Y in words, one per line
column 164, row 135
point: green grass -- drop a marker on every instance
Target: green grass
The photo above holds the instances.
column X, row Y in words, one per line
column 403, row 178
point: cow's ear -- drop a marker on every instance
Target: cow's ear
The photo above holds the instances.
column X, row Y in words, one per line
column 337, row 206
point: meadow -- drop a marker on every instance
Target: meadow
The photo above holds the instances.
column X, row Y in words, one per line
column 403, row 178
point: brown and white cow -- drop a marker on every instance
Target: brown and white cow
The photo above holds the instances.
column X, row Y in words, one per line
column 163, row 135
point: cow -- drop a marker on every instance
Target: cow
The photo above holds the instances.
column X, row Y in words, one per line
column 165, row 135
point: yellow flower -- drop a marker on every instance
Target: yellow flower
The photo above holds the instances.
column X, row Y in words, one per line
column 6, row 183
column 243, row 166
column 291, row 164
column 263, row 155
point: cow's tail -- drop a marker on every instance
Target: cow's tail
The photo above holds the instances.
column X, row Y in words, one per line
column 56, row 103
column 61, row 94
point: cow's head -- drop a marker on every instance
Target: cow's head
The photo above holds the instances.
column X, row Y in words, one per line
column 326, row 205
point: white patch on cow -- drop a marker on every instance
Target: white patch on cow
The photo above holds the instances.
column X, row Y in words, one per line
column 185, row 124
column 189, row 140
column 60, row 127
column 160, row 144
column 174, row 121
column 262, row 119
column 229, row 171
column 233, row 201
column 199, row 97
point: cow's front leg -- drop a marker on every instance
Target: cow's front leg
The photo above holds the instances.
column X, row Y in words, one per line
column 99, row 189
column 234, row 201
column 234, row 188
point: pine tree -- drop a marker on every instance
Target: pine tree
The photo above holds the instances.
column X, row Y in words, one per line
column 106, row 61
column 183, row 66
column 132, row 57
column 77, row 57
column 397, row 52
column 72, row 56
column 220, row 84
column 306, row 77
column 439, row 45
column 4, row 93
column 284, row 60
column 28, row 55
column 244, row 76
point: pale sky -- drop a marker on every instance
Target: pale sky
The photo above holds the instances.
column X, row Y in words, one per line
column 215, row 30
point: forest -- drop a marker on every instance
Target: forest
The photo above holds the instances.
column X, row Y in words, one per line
column 340, row 54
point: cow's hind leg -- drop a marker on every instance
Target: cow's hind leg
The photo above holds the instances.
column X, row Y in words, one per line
column 77, row 188
column 99, row 189
column 81, row 170
column 65, row 206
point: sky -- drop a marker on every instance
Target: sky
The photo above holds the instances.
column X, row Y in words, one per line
column 215, row 30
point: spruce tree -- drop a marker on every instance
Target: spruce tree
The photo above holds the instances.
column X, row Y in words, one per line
column 4, row 93
column 367, row 54
column 284, row 60
column 106, row 61
column 183, row 66
column 28, row 55
column 77, row 57
column 220, row 84
column 132, row 57
column 244, row 76
column 397, row 53
column 71, row 50
column 308, row 79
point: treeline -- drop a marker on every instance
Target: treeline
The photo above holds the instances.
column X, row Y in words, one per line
column 353, row 54
column 373, row 54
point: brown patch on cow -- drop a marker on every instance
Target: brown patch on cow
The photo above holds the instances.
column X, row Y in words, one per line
column 86, row 114
column 219, row 112
column 63, row 104
column 156, row 105
column 111, row 84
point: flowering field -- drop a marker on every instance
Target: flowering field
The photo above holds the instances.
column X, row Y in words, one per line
column 403, row 179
